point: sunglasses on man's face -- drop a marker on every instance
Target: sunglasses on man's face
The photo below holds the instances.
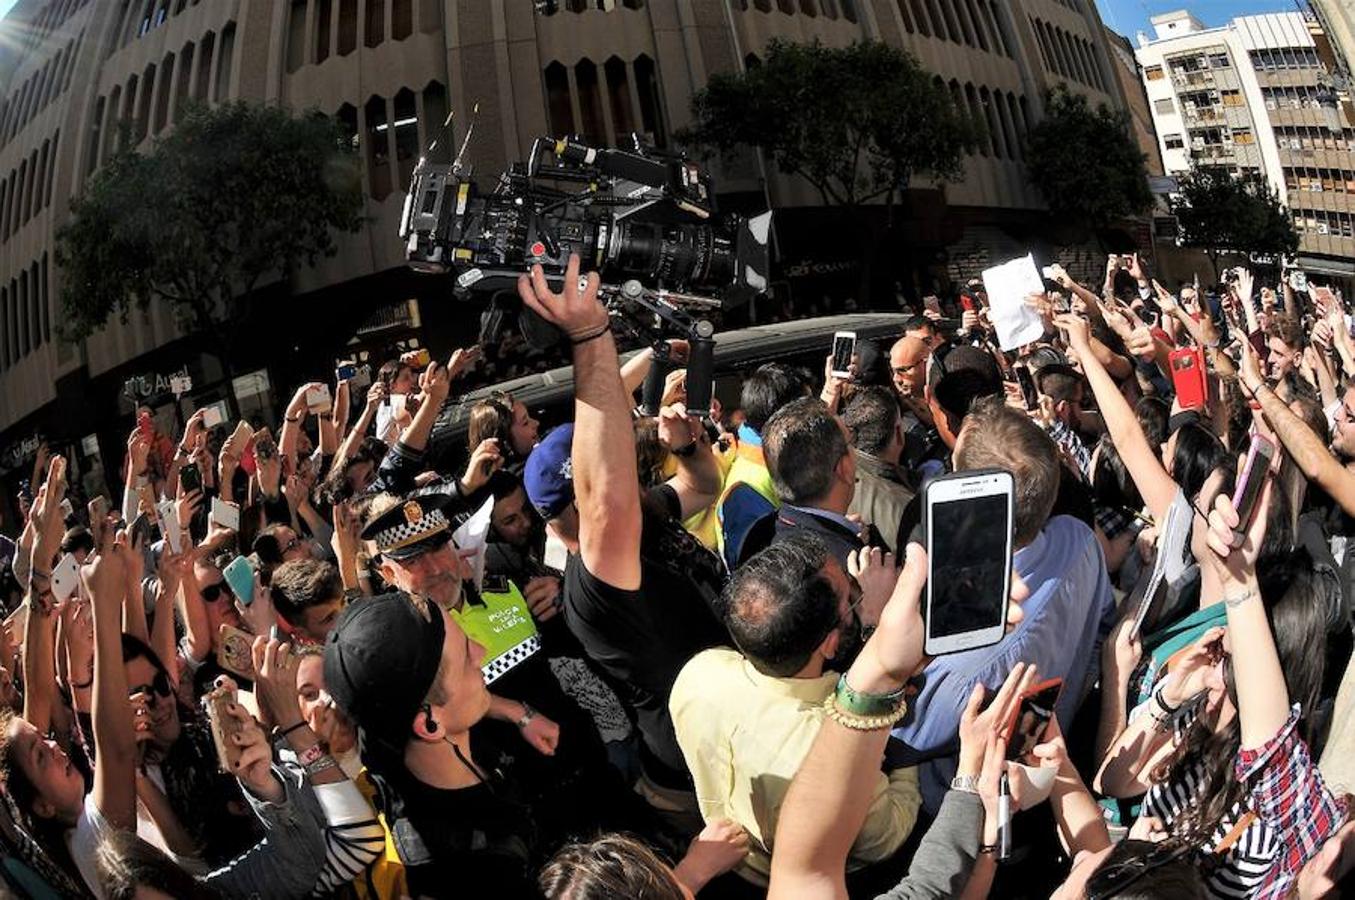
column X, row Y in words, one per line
column 159, row 685
column 210, row 592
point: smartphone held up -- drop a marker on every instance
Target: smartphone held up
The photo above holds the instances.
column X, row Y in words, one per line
column 969, row 519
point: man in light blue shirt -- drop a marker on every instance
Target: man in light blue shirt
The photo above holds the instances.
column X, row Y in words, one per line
column 1067, row 614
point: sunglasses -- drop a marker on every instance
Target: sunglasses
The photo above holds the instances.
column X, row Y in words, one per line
column 1112, row 880
column 211, row 592
column 159, row 685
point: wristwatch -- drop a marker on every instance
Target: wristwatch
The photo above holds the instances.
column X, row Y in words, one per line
column 968, row 783
column 527, row 715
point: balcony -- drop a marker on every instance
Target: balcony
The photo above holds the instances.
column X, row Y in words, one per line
column 1202, row 78
column 1204, row 114
column 1212, row 153
column 1327, row 201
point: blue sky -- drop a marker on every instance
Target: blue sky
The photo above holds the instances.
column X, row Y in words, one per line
column 1129, row 16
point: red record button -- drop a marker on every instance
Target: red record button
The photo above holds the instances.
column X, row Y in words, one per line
column 538, row 249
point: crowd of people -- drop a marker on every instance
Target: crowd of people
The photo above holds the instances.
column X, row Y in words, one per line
column 668, row 656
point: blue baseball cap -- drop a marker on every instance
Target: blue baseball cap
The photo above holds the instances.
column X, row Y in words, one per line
column 549, row 474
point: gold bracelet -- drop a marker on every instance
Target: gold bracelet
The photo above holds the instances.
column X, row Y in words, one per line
column 864, row 723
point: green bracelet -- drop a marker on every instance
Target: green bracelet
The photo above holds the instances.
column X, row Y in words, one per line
column 860, row 704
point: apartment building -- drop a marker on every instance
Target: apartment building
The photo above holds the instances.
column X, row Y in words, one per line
column 1256, row 97
column 77, row 77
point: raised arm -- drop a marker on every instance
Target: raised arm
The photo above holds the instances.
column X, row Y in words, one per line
column 114, row 737
column 1139, row 457
column 1262, row 694
column 293, row 418
column 828, row 800
column 39, row 649
column 697, row 482
column 1309, row 453
column 606, row 481
column 353, row 439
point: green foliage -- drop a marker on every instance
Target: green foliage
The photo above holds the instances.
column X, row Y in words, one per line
column 1086, row 163
column 857, row 122
column 232, row 196
column 1221, row 213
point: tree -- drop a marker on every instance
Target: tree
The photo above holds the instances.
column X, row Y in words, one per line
column 858, row 122
column 1086, row 163
column 235, row 196
column 1219, row 213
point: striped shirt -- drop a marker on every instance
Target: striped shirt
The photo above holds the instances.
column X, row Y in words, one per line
column 1243, row 867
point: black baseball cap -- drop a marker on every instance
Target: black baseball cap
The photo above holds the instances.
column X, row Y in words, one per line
column 380, row 661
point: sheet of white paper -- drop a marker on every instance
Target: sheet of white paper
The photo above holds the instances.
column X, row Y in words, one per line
column 1009, row 286
column 474, row 535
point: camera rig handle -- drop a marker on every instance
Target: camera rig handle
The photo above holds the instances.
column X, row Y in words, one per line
column 674, row 310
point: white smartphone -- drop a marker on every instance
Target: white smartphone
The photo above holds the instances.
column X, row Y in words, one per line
column 169, row 525
column 318, row 400
column 65, row 578
column 556, row 554
column 226, row 514
column 969, row 518
column 212, row 417
column 844, row 349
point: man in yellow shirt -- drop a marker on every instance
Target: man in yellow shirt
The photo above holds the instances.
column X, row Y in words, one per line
column 745, row 720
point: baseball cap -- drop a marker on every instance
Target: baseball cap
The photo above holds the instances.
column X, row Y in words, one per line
column 549, row 474
column 380, row 661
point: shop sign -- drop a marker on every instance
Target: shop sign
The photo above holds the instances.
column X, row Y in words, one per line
column 20, row 452
column 139, row 388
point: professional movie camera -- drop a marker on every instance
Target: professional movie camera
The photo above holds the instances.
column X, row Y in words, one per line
column 644, row 220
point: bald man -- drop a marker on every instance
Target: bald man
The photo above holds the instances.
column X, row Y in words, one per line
column 908, row 369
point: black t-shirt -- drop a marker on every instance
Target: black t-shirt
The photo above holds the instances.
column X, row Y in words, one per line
column 478, row 841
column 642, row 639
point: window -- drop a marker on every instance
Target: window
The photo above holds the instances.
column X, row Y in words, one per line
column 434, row 111
column 1219, row 60
column 406, row 135
column 378, row 149
column 51, row 170
column 1153, row 73
column 296, row 36
column 1232, row 98
column 402, row 19
column 162, row 99
column 143, row 109
column 1173, row 142
column 205, row 68
column 618, row 96
column 35, row 299
column 225, row 61
column 559, row 107
column 651, row 103
column 1243, row 136
column 184, row 73
column 590, row 102
column 324, row 18
column 46, row 308
column 1164, row 107
column 95, row 132
column 348, row 26
column 376, row 23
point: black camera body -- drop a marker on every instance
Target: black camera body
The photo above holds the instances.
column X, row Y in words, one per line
column 637, row 215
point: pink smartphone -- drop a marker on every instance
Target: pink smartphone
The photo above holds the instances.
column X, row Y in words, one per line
column 1253, row 478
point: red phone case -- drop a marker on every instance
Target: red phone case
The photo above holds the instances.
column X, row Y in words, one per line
column 1188, row 377
column 1034, row 691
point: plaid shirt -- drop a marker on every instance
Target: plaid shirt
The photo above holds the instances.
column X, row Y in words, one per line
column 1288, row 794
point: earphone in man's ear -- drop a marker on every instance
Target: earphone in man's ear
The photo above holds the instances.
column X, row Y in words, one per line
column 428, row 721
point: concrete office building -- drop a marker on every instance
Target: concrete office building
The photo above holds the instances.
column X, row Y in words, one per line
column 1255, row 97
column 76, row 74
